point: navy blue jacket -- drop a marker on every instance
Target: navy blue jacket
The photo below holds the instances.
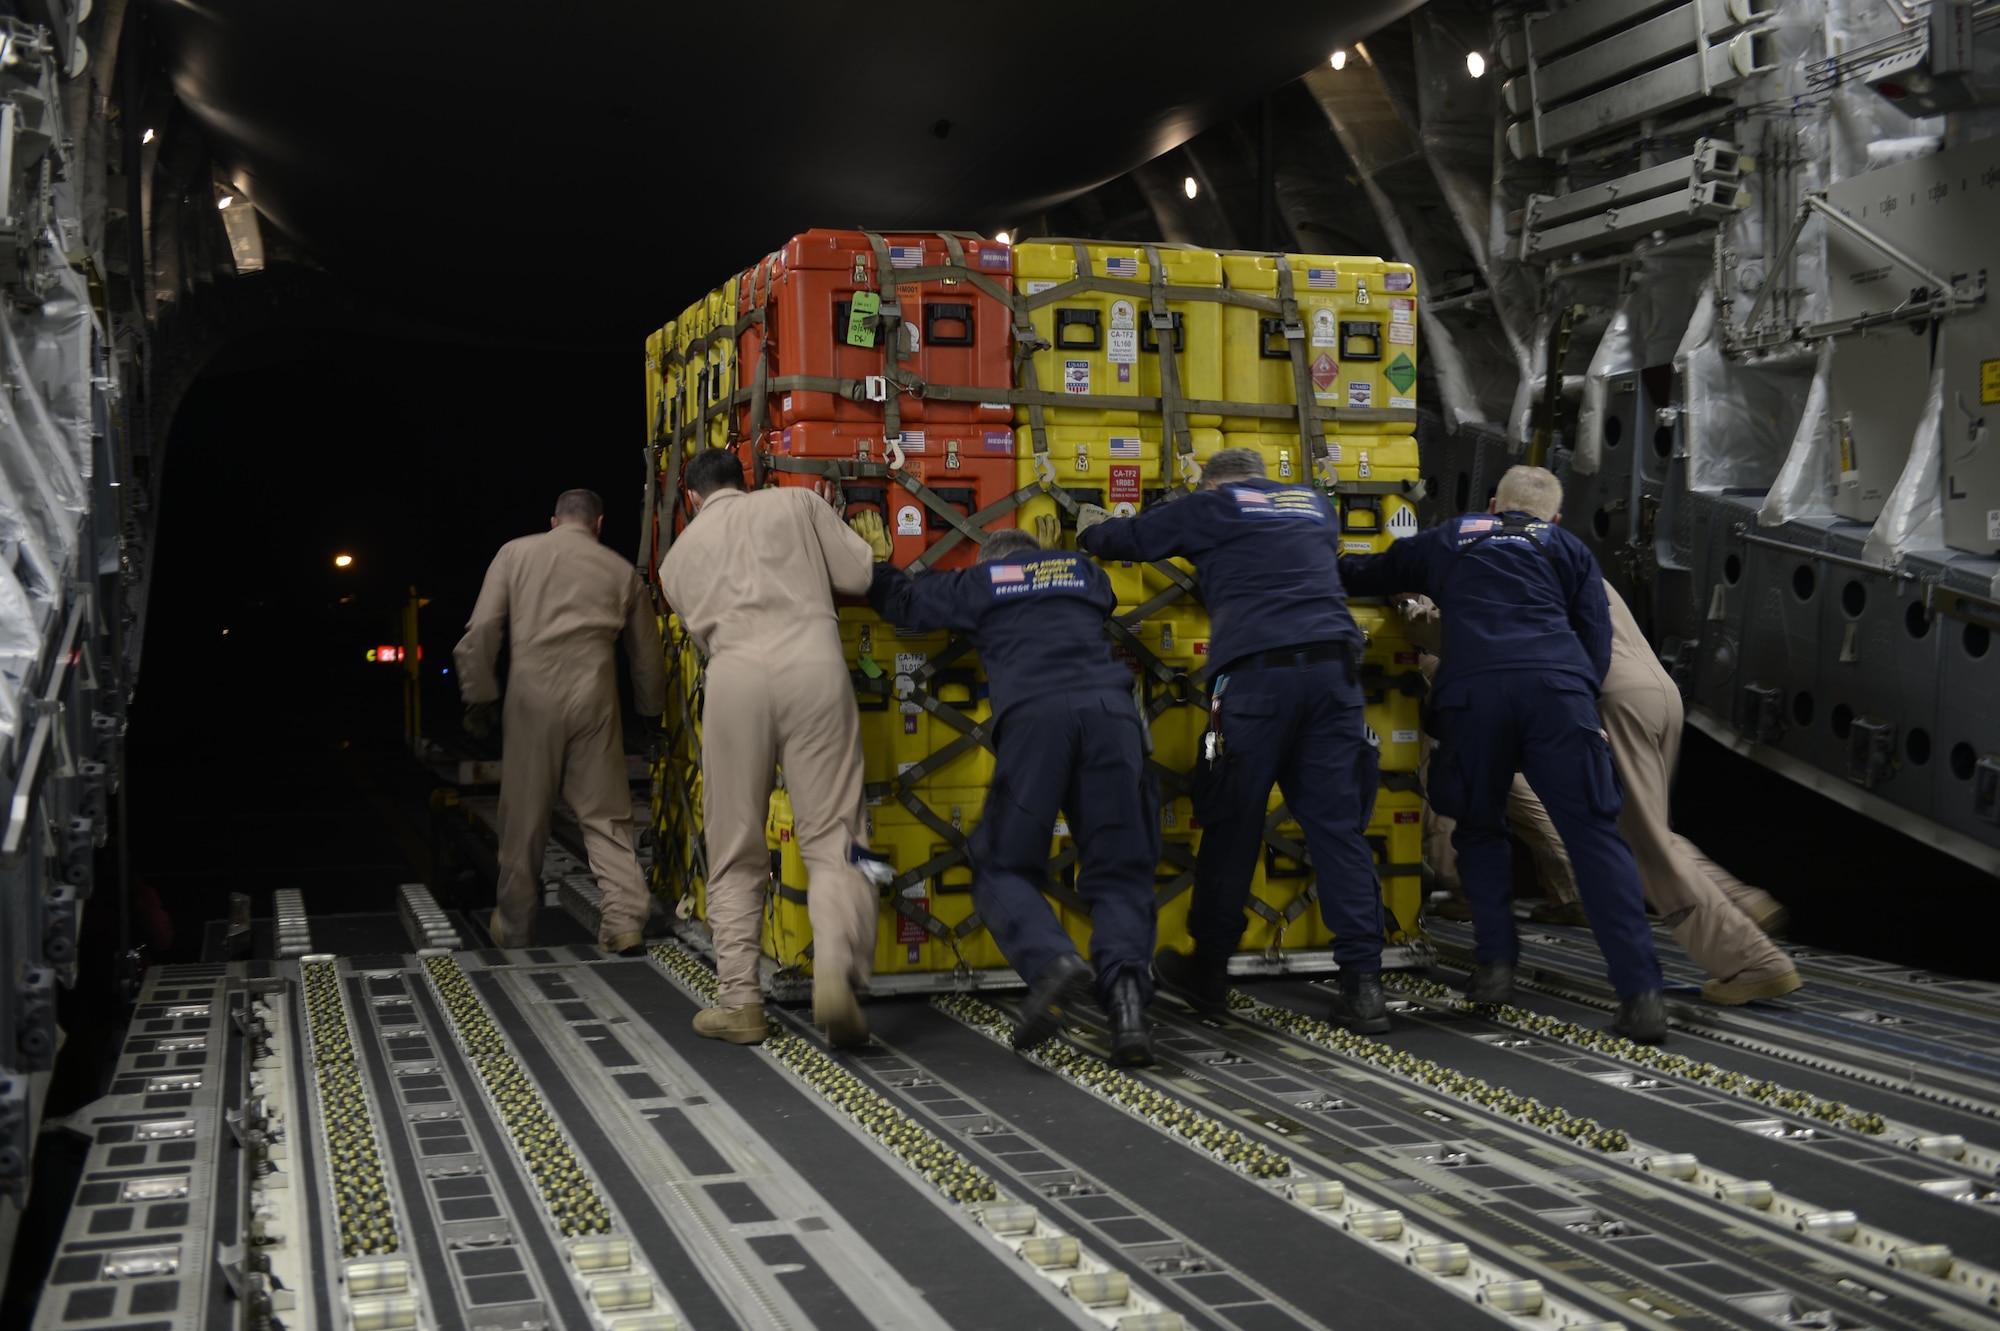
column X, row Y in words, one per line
column 1532, row 600
column 1036, row 619
column 1267, row 556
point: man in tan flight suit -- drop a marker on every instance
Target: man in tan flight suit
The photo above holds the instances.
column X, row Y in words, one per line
column 1718, row 919
column 753, row 579
column 559, row 599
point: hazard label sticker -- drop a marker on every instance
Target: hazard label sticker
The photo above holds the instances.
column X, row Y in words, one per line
column 1076, row 376
column 1374, row 740
column 1124, row 485
column 1360, row 393
column 1324, row 372
column 1403, row 522
column 1402, row 372
column 1403, row 335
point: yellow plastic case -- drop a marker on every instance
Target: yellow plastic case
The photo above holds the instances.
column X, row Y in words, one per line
column 901, row 945
column 1360, row 324
column 897, row 732
column 1395, row 836
column 1103, row 343
column 1114, row 467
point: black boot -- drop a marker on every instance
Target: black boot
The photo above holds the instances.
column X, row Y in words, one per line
column 1061, row 983
column 1492, row 983
column 1361, row 1005
column 1202, row 985
column 1643, row 1018
column 1131, row 1041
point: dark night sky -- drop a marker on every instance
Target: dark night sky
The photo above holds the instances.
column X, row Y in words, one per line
column 420, row 460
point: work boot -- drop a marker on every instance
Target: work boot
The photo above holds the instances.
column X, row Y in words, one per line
column 1361, row 1005
column 1643, row 1017
column 630, row 943
column 1201, row 984
column 838, row 1012
column 1492, row 983
column 1451, row 908
column 1062, row 982
column 1766, row 912
column 738, row 1025
column 499, row 935
column 1131, row 1041
column 1558, row 912
column 1751, row 985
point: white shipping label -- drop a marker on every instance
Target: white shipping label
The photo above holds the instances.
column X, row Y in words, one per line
column 1403, row 334
column 1403, row 736
column 1357, row 547
column 1402, row 310
column 1402, row 402
column 1037, row 285
column 1121, row 346
column 1062, row 827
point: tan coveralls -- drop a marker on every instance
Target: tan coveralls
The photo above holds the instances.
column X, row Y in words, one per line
column 560, row 598
column 753, row 580
column 1708, row 908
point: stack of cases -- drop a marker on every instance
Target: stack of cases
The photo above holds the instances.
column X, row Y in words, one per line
column 1359, row 315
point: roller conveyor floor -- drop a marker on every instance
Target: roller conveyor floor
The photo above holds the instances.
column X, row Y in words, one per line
column 479, row 1140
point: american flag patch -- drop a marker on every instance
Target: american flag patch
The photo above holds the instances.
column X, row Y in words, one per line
column 1325, row 279
column 1478, row 524
column 1115, row 267
column 1124, row 446
column 1251, row 498
column 1003, row 573
column 913, row 441
column 906, row 256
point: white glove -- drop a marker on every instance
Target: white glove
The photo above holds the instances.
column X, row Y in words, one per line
column 1089, row 516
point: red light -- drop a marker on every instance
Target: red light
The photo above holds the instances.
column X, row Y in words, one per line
column 386, row 653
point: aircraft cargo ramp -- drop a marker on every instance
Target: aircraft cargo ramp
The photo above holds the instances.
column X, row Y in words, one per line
column 444, row 1136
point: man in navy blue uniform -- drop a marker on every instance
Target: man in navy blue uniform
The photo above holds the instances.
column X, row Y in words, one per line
column 1527, row 641
column 1068, row 738
column 1284, row 707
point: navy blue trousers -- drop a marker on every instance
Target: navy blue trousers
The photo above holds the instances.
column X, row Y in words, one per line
column 1300, row 727
column 1082, row 754
column 1544, row 726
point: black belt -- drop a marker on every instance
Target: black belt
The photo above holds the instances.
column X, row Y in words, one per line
column 1306, row 653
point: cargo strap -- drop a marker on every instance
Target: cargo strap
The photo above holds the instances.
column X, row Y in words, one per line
column 969, row 527
column 1166, row 332
column 1312, row 440
column 1308, row 895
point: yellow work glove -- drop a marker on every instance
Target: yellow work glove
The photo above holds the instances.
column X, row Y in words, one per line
column 1089, row 516
column 1048, row 531
column 868, row 526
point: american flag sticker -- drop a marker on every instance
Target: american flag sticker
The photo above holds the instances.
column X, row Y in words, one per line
column 1324, row 279
column 1124, row 446
column 1116, row 267
column 906, row 256
column 1005, row 573
column 913, row 441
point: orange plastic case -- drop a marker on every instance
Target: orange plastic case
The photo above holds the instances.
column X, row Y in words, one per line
column 952, row 333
